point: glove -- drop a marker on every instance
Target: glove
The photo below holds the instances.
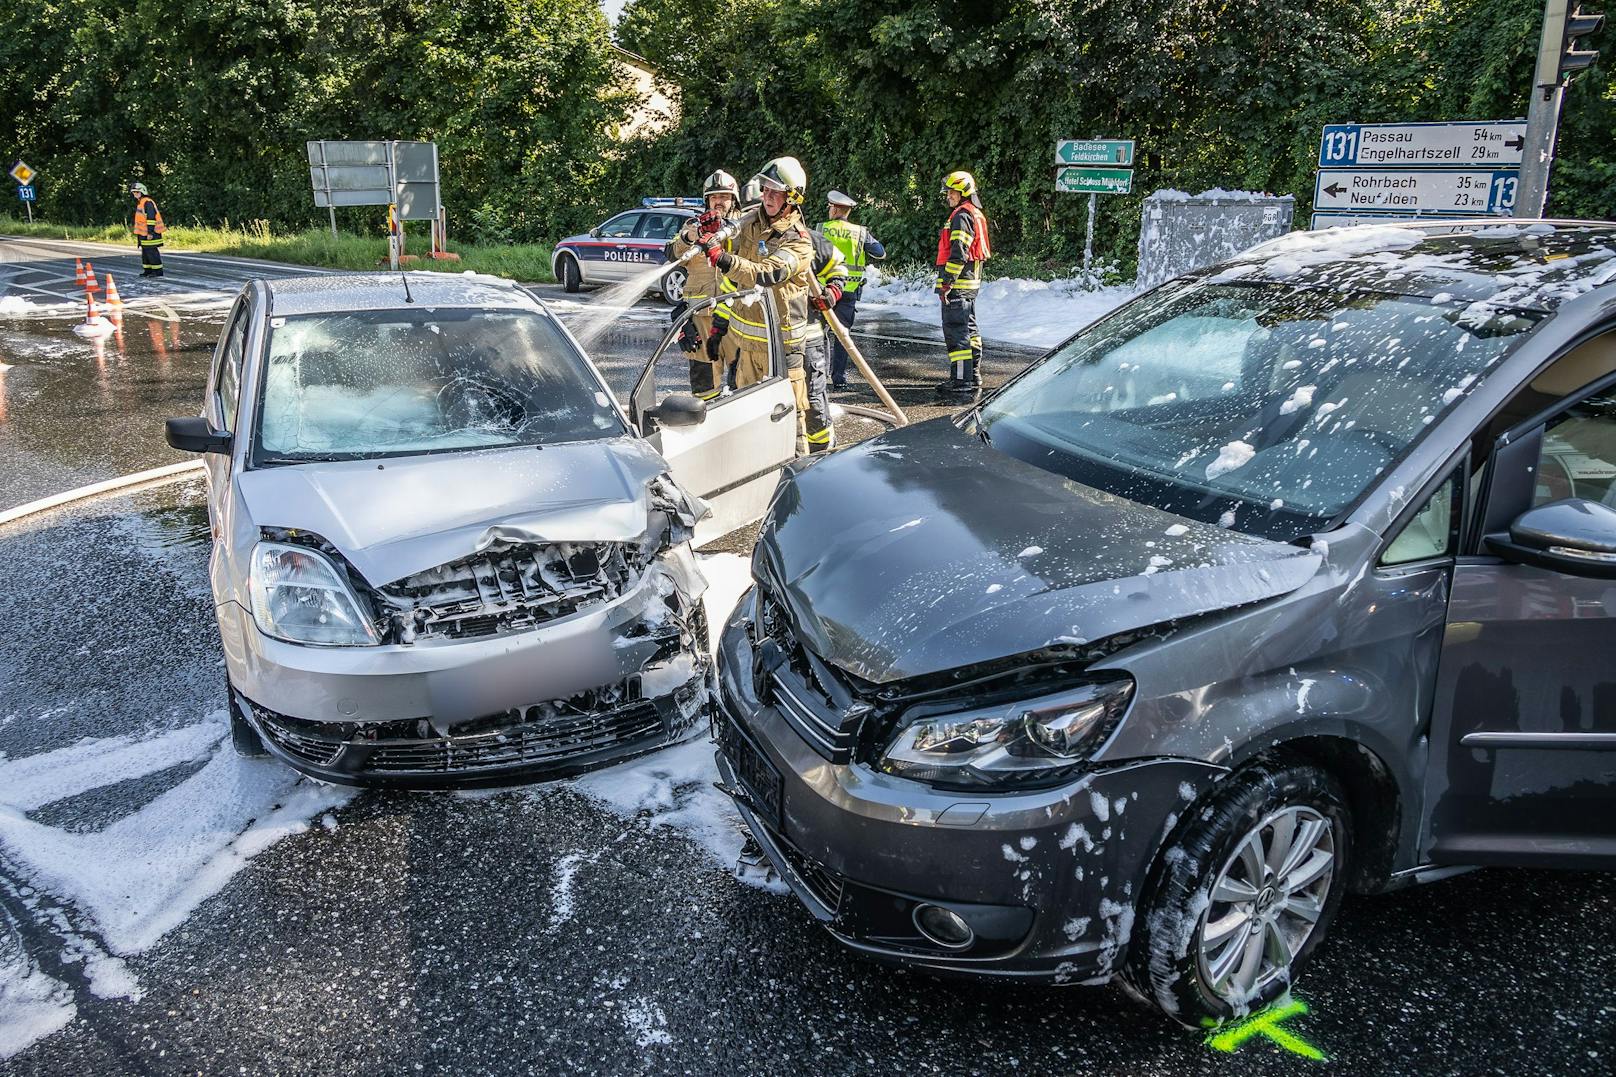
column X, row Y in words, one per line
column 708, row 223
column 715, row 253
column 826, row 299
column 943, row 290
column 676, row 310
column 712, row 344
column 689, row 338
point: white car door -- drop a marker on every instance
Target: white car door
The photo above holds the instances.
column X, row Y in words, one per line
column 732, row 458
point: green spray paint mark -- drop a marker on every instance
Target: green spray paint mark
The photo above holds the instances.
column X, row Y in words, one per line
column 1266, row 1024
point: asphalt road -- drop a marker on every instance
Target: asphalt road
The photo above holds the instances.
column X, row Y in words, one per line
column 173, row 909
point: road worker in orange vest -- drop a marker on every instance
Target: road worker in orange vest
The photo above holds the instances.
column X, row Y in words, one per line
column 149, row 229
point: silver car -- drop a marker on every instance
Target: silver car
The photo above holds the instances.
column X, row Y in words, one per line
column 443, row 555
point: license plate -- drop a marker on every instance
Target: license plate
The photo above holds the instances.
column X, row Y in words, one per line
column 755, row 773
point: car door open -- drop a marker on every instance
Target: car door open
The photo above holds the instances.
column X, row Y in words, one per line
column 730, row 453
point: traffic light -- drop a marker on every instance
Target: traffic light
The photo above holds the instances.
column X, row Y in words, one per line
column 1578, row 25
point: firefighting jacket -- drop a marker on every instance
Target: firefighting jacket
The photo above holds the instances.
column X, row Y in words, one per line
column 703, row 280
column 149, row 227
column 962, row 248
column 780, row 257
column 830, row 269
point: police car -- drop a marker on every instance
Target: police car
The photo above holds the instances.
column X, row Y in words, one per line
column 624, row 245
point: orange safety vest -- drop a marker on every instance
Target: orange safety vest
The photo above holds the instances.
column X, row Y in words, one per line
column 148, row 225
column 980, row 248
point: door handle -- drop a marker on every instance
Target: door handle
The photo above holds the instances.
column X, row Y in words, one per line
column 780, row 412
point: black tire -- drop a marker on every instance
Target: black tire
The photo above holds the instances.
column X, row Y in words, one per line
column 571, row 278
column 673, row 285
column 243, row 737
column 1166, row 965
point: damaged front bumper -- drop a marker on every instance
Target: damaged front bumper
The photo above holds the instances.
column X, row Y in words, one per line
column 609, row 681
column 1047, row 880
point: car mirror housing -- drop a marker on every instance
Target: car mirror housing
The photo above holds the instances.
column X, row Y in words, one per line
column 594, row 233
column 1573, row 535
column 680, row 409
column 193, row 434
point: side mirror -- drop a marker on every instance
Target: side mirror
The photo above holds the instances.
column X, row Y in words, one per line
column 680, row 409
column 1573, row 535
column 193, row 434
column 594, row 233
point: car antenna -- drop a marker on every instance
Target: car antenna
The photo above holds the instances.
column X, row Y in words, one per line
column 405, row 277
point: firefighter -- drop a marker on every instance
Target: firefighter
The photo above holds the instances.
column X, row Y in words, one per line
column 858, row 248
column 831, row 271
column 703, row 281
column 774, row 250
column 149, row 229
column 961, row 249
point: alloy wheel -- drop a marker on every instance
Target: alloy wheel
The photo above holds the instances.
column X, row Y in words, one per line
column 1266, row 902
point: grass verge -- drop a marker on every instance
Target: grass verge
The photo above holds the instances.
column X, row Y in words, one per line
column 528, row 262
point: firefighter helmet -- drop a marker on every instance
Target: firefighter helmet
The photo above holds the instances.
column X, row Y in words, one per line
column 785, row 174
column 138, row 188
column 720, row 182
column 752, row 193
column 961, row 183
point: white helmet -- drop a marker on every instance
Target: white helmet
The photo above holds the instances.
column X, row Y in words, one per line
column 752, row 193
column 721, row 182
column 785, row 174
column 138, row 188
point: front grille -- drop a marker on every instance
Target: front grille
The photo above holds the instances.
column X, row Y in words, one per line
column 512, row 589
column 824, row 885
column 815, row 700
column 533, row 736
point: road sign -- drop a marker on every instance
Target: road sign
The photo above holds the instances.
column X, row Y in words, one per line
column 1411, row 191
column 1094, row 151
column 1480, row 144
column 1348, row 219
column 25, row 192
column 1094, row 180
column 22, row 173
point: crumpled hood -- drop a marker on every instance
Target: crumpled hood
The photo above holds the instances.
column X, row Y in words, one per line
column 414, row 513
column 925, row 550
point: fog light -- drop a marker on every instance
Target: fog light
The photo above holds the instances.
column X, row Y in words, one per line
column 945, row 927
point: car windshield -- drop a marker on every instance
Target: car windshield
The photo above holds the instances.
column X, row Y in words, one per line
column 398, row 382
column 1265, row 407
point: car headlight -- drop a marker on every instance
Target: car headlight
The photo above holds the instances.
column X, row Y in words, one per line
column 1009, row 743
column 299, row 596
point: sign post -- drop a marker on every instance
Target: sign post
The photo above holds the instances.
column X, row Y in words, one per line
column 1093, row 167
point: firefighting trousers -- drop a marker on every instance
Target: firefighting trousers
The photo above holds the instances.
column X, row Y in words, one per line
column 814, row 430
column 846, row 312
column 706, row 376
column 961, row 338
column 151, row 256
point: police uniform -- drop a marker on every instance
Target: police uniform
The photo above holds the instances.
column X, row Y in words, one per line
column 858, row 248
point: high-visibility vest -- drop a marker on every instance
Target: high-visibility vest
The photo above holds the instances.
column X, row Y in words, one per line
column 849, row 239
column 149, row 227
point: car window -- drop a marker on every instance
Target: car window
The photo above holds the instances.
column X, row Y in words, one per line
column 1429, row 532
column 1578, row 458
column 658, row 225
column 620, row 226
column 376, row 383
column 228, row 379
column 1265, row 406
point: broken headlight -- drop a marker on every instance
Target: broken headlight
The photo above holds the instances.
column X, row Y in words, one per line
column 1009, row 743
column 299, row 596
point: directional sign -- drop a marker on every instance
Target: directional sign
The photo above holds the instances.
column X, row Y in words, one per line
column 1412, row 191
column 25, row 192
column 1348, row 220
column 1094, row 180
column 1094, row 151
column 1482, row 144
column 21, row 172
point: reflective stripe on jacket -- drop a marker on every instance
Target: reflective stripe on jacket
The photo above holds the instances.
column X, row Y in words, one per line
column 779, row 256
column 858, row 248
column 962, row 248
column 149, row 227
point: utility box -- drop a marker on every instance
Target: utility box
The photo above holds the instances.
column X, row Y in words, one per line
column 1179, row 232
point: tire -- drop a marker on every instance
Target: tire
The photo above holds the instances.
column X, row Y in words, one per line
column 243, row 737
column 673, row 285
column 571, row 278
column 1193, row 954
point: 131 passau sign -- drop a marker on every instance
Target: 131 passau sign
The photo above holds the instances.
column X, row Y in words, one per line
column 1479, row 144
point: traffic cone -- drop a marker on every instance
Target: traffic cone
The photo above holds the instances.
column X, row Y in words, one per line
column 90, row 283
column 78, row 271
column 113, row 298
column 89, row 309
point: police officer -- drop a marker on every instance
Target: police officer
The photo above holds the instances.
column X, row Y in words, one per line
column 703, row 281
column 858, row 249
column 149, row 229
column 773, row 249
column 961, row 249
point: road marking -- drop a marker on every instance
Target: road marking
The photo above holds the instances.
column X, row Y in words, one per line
column 291, row 268
column 1266, row 1024
column 151, row 477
